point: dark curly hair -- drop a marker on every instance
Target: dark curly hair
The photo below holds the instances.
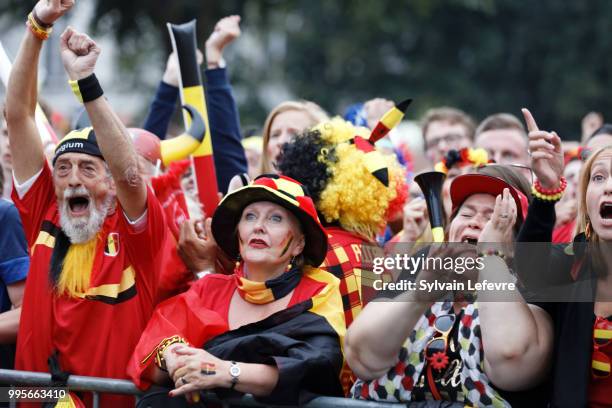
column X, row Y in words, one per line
column 307, row 159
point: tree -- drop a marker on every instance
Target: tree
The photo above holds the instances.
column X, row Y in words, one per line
column 483, row 56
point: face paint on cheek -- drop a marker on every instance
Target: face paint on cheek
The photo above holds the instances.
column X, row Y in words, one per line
column 288, row 240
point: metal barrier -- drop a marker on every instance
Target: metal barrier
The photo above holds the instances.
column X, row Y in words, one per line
column 98, row 385
column 95, row 385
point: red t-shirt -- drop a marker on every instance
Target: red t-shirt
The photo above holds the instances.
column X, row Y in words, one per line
column 94, row 334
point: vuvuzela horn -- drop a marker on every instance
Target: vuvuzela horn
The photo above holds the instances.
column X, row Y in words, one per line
column 431, row 186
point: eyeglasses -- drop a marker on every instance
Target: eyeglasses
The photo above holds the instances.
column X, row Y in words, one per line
column 448, row 139
column 435, row 350
column 602, row 336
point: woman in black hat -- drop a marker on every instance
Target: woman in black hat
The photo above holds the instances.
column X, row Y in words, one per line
column 272, row 329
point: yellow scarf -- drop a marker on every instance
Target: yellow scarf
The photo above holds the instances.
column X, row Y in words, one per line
column 76, row 269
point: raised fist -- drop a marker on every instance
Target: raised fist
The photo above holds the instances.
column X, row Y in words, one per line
column 226, row 30
column 79, row 54
column 48, row 11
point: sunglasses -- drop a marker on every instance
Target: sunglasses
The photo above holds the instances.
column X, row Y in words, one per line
column 602, row 336
column 443, row 325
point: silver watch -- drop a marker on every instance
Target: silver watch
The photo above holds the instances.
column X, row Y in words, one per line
column 234, row 371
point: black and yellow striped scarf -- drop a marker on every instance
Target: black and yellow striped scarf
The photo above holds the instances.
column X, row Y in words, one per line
column 265, row 292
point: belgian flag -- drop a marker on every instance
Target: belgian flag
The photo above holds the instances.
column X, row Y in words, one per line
column 304, row 340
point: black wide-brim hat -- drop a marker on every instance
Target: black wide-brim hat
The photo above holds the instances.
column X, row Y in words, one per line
column 280, row 190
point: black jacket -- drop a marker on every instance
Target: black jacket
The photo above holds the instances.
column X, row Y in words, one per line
column 571, row 310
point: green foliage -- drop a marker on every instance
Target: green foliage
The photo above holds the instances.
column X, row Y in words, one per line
column 483, row 56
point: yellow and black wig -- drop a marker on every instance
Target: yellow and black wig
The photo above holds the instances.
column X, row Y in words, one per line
column 352, row 183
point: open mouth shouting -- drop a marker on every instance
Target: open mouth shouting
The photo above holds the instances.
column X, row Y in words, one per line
column 605, row 212
column 471, row 239
column 79, row 206
column 78, row 202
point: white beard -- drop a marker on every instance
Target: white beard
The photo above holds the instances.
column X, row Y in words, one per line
column 82, row 229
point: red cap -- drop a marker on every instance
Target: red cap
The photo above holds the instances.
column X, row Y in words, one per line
column 469, row 184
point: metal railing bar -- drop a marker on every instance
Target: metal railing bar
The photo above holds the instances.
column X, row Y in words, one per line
column 75, row 382
column 98, row 385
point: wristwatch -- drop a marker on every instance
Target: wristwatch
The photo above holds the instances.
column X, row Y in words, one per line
column 234, row 373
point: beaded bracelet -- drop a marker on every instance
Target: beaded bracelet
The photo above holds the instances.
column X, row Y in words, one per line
column 551, row 191
column 160, row 361
column 545, row 197
column 547, row 194
column 492, row 252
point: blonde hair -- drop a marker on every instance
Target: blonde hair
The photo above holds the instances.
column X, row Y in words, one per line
column 314, row 112
column 585, row 176
column 450, row 115
column 501, row 121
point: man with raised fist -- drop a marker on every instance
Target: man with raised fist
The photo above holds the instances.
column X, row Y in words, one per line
column 95, row 231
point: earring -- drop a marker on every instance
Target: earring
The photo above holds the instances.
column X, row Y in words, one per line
column 238, row 261
column 290, row 265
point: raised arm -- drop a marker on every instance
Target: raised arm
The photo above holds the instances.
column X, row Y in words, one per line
column 548, row 260
column 79, row 55
column 163, row 105
column 222, row 110
column 26, row 146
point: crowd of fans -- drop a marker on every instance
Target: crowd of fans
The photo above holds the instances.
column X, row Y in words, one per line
column 110, row 267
